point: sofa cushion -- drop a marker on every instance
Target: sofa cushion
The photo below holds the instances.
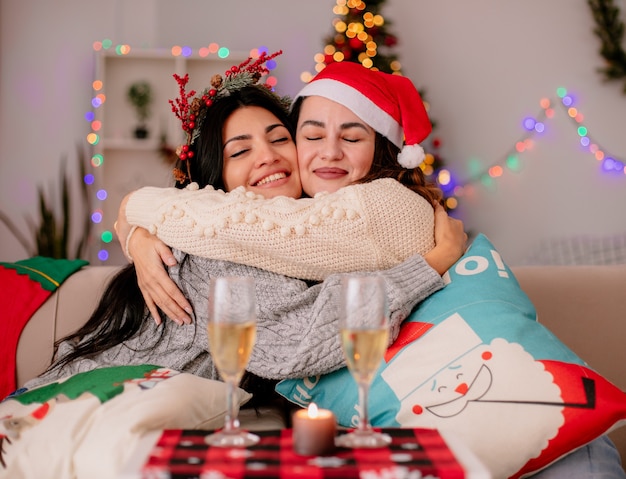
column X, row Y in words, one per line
column 64, row 312
column 473, row 360
column 584, row 307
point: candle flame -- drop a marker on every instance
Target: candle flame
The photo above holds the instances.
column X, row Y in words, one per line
column 312, row 411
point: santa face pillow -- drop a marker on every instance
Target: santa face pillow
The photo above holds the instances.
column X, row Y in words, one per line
column 473, row 360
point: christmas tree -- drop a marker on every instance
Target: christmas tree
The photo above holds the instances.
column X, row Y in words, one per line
column 361, row 34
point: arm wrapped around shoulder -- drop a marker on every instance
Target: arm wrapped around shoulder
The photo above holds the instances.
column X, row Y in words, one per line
column 364, row 227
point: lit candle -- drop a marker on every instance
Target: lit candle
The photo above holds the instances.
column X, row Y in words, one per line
column 314, row 431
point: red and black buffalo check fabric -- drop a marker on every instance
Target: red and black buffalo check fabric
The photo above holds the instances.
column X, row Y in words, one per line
column 184, row 454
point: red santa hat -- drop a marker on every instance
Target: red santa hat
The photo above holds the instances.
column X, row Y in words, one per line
column 390, row 104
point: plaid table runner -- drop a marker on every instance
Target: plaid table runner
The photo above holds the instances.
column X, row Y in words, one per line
column 413, row 453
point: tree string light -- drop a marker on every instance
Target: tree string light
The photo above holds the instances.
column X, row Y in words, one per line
column 98, row 100
column 534, row 126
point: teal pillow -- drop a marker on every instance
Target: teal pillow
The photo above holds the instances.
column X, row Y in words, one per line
column 473, row 360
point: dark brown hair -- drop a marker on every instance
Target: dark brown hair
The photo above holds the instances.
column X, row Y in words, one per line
column 385, row 165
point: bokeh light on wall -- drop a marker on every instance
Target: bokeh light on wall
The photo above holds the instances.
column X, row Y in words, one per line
column 533, row 127
column 97, row 216
column 99, row 98
column 122, row 49
column 513, row 163
column 106, row 236
column 97, row 160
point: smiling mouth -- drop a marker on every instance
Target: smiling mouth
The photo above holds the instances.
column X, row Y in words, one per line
column 270, row 179
column 330, row 172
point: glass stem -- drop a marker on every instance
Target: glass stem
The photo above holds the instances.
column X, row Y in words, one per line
column 364, row 422
column 230, row 421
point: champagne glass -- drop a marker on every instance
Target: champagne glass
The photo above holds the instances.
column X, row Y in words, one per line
column 231, row 329
column 364, row 331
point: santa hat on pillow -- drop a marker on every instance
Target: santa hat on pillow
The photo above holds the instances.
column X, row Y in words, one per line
column 390, row 104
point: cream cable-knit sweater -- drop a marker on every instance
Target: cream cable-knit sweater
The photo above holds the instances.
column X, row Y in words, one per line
column 366, row 227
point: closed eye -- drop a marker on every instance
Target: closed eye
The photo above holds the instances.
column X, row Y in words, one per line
column 239, row 153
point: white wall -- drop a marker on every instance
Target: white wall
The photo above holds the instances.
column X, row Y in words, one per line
column 484, row 64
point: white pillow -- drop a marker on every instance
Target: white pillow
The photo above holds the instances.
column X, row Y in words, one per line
column 86, row 426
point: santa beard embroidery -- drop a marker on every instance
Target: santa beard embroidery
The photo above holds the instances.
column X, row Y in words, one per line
column 478, row 391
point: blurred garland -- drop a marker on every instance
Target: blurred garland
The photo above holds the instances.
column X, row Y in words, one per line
column 610, row 31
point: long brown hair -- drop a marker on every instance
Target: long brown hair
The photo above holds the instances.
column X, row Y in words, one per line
column 385, row 165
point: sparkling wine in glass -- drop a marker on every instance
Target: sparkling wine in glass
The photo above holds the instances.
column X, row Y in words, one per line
column 231, row 330
column 364, row 331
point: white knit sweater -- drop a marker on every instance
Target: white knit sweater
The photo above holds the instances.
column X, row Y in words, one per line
column 365, row 227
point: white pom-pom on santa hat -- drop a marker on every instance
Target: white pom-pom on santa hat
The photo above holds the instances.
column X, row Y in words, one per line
column 411, row 156
column 390, row 104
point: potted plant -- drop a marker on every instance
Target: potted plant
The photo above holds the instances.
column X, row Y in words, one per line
column 51, row 231
column 140, row 96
